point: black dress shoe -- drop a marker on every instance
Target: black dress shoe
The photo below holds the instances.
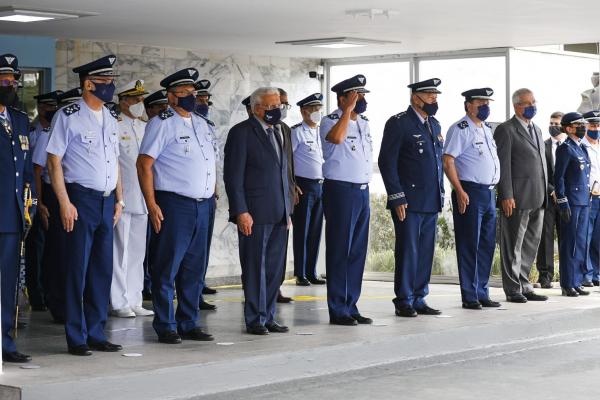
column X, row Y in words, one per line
column 471, row 305
column 257, row 330
column 345, row 320
column 581, row 291
column 406, row 312
column 546, row 285
column 170, row 338
column 317, row 281
column 489, row 303
column 569, row 292
column 207, row 306
column 532, row 296
column 81, row 350
column 595, row 282
column 15, row 357
column 516, row 298
column 276, row 328
column 207, row 290
column 426, row 310
column 283, row 299
column 197, row 334
column 587, row 284
column 362, row 320
column 105, row 346
column 302, row 282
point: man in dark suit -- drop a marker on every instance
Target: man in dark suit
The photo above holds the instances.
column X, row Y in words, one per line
column 257, row 186
column 545, row 255
column 522, row 194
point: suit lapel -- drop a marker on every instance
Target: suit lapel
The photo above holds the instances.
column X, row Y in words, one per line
column 262, row 137
column 522, row 131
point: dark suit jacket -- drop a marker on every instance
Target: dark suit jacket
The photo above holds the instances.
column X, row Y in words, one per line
column 256, row 181
column 286, row 132
column 523, row 174
column 549, row 165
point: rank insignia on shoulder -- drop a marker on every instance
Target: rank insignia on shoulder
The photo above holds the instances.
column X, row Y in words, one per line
column 463, row 124
column 208, row 121
column 24, row 140
column 488, row 125
column 165, row 114
column 71, row 109
column 47, row 129
column 400, row 114
column 333, row 116
column 363, row 117
column 113, row 112
column 297, row 125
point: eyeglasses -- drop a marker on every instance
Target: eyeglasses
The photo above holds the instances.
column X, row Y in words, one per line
column 9, row 82
column 286, row 106
column 272, row 107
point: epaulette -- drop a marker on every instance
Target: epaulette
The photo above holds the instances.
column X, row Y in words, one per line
column 166, row 114
column 297, row 125
column 333, row 116
column 363, row 117
column 400, row 114
column 47, row 129
column 463, row 124
column 18, row 111
column 208, row 121
column 70, row 109
column 488, row 125
column 112, row 112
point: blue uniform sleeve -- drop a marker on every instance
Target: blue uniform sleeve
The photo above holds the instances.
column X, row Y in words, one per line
column 234, row 171
column 59, row 135
column 391, row 145
column 40, row 157
column 155, row 138
column 560, row 168
column 455, row 143
column 296, row 140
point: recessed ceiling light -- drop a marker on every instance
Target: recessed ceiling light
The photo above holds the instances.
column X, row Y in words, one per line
column 24, row 14
column 336, row 42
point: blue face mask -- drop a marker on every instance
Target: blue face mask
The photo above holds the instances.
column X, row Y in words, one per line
column 272, row 116
column 430, row 109
column 483, row 112
column 104, row 91
column 361, row 106
column 593, row 134
column 48, row 115
column 202, row 109
column 188, row 103
column 529, row 112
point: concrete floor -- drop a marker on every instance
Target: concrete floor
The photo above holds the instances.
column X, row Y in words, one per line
column 536, row 350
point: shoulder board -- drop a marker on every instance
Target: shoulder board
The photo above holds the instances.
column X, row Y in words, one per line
column 70, row 109
column 31, row 128
column 399, row 115
column 363, row 117
column 488, row 125
column 208, row 121
column 297, row 125
column 165, row 114
column 333, row 116
column 463, row 124
column 18, row 111
column 46, row 129
column 113, row 112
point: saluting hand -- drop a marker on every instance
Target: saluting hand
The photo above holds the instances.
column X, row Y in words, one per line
column 244, row 223
column 351, row 99
column 156, row 217
column 68, row 216
column 401, row 211
column 463, row 201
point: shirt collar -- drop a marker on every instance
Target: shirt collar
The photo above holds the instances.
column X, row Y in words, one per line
column 525, row 124
column 418, row 115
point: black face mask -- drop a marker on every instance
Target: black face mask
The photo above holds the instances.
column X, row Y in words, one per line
column 8, row 96
column 554, row 131
column 429, row 109
column 580, row 132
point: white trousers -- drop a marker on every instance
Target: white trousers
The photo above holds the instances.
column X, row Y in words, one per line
column 129, row 249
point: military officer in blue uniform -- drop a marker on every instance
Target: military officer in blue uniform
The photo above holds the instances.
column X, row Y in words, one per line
column 308, row 213
column 572, row 186
column 410, row 162
column 15, row 172
column 48, row 210
column 472, row 166
column 592, row 143
column 34, row 247
column 83, row 152
column 156, row 103
column 176, row 169
column 348, row 154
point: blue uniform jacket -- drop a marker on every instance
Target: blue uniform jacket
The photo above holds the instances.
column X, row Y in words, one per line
column 571, row 175
column 410, row 162
column 255, row 180
column 16, row 169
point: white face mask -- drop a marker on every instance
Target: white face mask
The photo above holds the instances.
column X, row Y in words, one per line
column 315, row 117
column 283, row 113
column 137, row 110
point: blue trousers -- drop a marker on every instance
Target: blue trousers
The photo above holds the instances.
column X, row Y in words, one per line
column 53, row 271
column 593, row 254
column 347, row 214
column 308, row 224
column 9, row 271
column 88, row 266
column 415, row 242
column 475, row 233
column 573, row 247
column 178, row 259
column 212, row 209
column 261, row 256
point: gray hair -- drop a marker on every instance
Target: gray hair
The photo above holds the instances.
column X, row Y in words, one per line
column 257, row 95
column 516, row 97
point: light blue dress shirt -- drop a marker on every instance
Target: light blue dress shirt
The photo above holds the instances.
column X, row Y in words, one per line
column 40, row 156
column 308, row 151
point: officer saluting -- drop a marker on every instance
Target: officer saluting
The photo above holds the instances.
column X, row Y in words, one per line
column 572, row 186
column 410, row 162
column 348, row 154
column 15, row 163
column 83, row 153
column 308, row 213
column 176, row 170
column 472, row 166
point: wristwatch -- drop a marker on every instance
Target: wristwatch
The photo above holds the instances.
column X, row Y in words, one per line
column 122, row 203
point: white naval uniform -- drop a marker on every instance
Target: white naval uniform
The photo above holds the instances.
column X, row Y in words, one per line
column 129, row 244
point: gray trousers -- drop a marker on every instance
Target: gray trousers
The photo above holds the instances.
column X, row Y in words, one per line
column 520, row 236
